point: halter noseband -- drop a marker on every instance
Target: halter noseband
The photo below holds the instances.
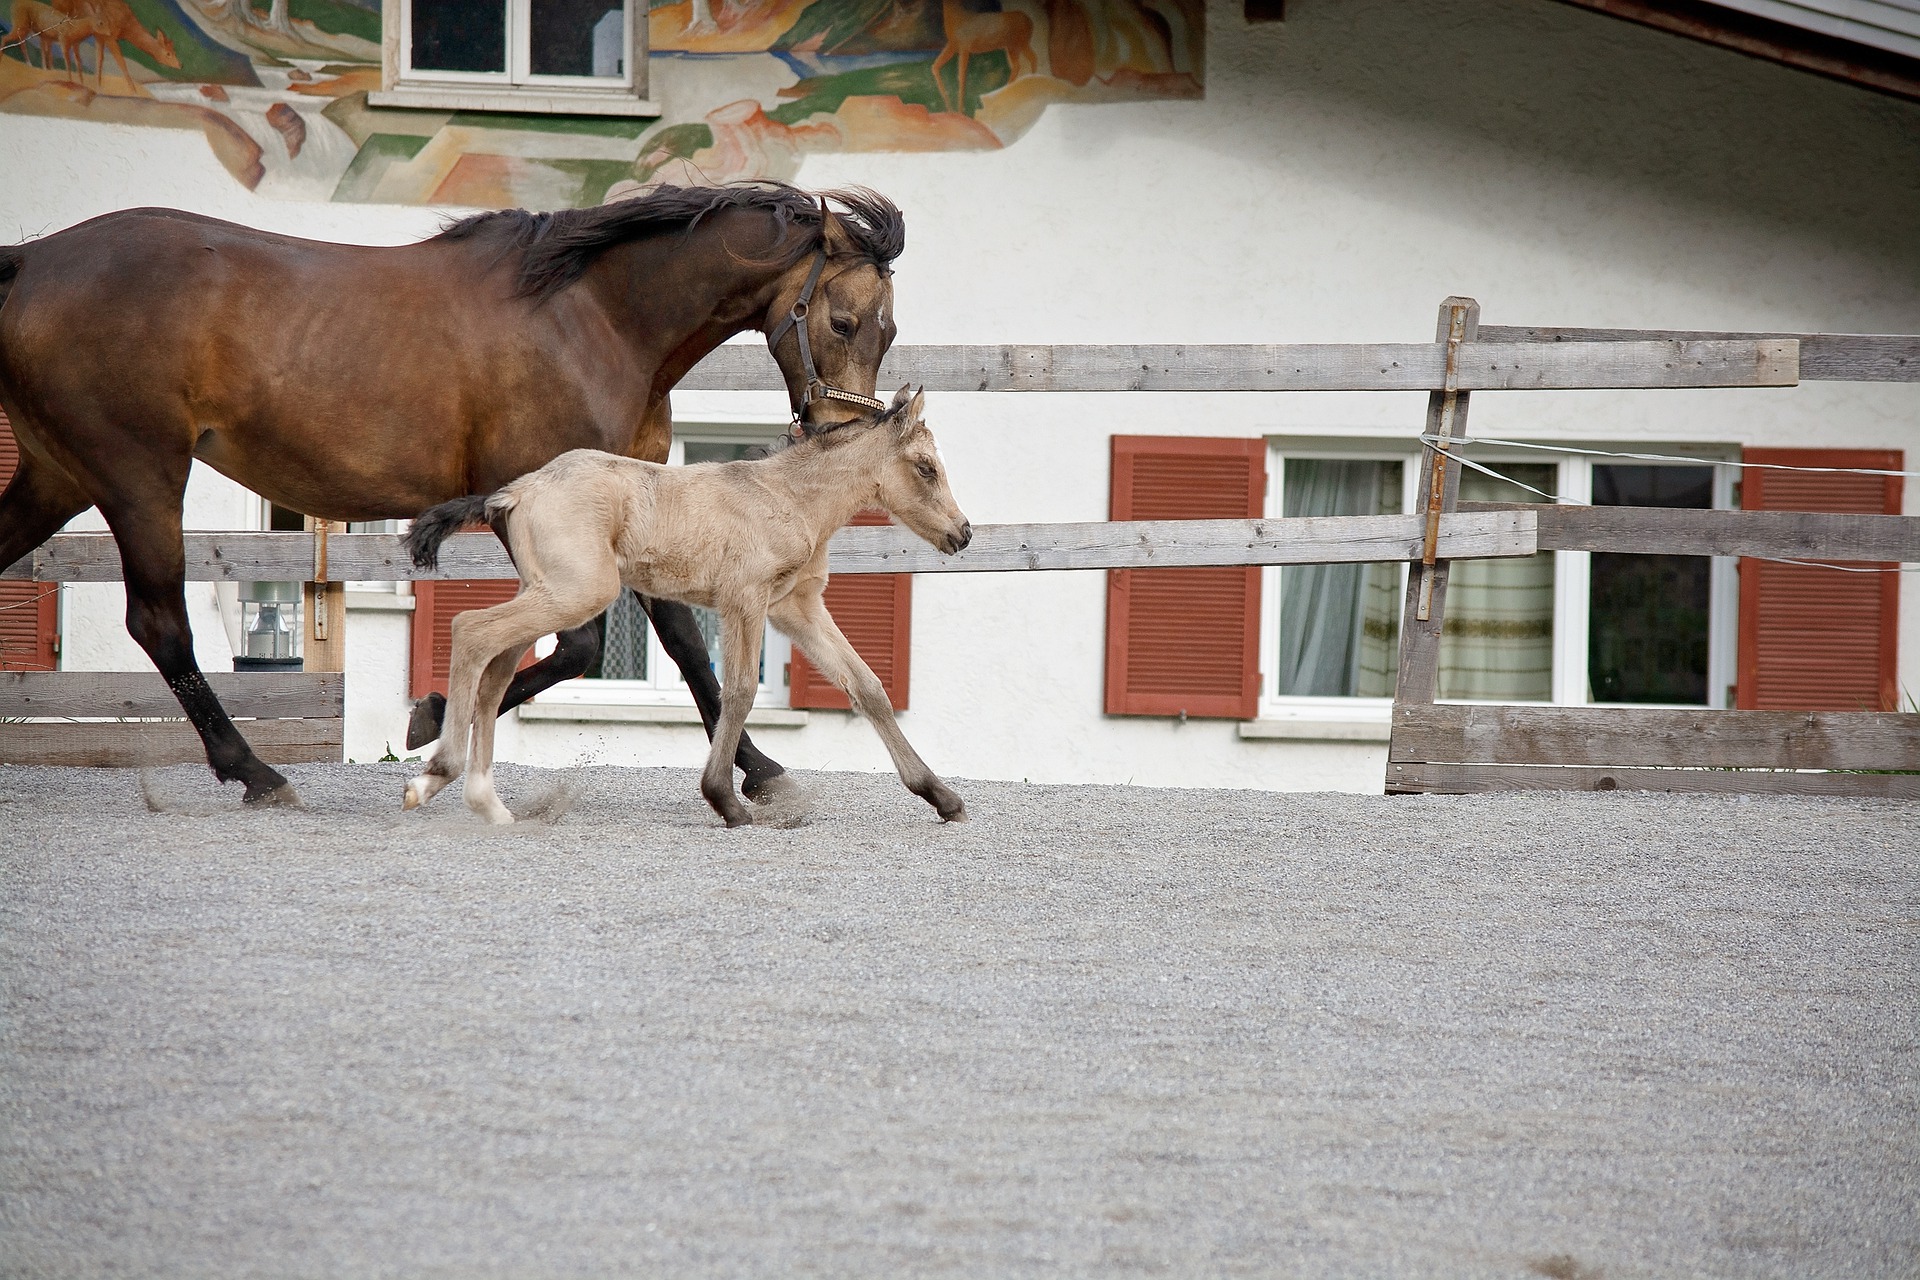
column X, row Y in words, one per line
column 796, row 319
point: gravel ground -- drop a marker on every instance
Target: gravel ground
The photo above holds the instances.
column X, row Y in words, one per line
column 1095, row 1031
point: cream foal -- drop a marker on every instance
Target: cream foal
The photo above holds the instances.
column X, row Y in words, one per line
column 748, row 539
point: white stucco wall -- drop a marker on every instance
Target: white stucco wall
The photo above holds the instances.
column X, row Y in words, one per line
column 1347, row 170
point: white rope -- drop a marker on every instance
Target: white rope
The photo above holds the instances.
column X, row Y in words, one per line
column 1666, row 457
column 1429, row 441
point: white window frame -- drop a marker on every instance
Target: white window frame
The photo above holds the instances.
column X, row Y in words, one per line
column 1327, row 717
column 664, row 686
column 516, row 89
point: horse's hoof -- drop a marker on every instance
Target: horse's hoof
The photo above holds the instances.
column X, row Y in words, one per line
column 951, row 809
column 772, row 788
column 744, row 819
column 423, row 726
column 266, row 794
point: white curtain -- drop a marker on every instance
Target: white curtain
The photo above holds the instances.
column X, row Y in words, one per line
column 1339, row 623
column 1496, row 644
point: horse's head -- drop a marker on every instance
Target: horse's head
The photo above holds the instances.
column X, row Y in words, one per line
column 913, row 479
column 832, row 317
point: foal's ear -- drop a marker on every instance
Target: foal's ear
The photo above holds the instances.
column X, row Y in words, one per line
column 900, row 397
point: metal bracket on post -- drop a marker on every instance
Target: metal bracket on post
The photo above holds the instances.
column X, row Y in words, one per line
column 320, row 529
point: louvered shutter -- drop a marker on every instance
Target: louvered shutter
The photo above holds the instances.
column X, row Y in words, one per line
column 875, row 612
column 1185, row 640
column 434, row 608
column 29, row 611
column 1814, row 639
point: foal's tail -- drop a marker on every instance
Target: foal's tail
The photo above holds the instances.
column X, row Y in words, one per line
column 435, row 525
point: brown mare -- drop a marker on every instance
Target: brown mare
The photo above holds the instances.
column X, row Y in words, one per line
column 358, row 383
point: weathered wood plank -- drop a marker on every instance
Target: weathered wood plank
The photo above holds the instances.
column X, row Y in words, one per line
column 1824, row 357
column 1159, row 544
column 1416, row 679
column 1795, row 535
column 1473, row 779
column 140, row 744
column 1382, row 366
column 91, row 557
column 266, row 694
column 1651, row 736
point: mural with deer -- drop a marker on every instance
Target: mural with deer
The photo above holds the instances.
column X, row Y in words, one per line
column 281, row 94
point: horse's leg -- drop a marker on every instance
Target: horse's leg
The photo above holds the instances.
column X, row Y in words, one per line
column 479, row 793
column 680, row 637
column 804, row 617
column 37, row 501
column 578, row 649
column 741, row 631
column 153, row 563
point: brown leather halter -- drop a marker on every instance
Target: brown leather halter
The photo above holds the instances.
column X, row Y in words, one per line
column 816, row 388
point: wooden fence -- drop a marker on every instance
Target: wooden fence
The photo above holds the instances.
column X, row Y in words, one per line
column 1434, row 747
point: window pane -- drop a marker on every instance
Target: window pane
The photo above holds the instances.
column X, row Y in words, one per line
column 459, row 35
column 1649, row 631
column 577, row 38
column 1497, row 641
column 623, row 642
column 1339, row 623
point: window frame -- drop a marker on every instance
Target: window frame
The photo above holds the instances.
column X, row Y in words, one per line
column 664, row 686
column 512, row 90
column 1573, row 578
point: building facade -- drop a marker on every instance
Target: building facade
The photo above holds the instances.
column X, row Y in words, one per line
column 1120, row 171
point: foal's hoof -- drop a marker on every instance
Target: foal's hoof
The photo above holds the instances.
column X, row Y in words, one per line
column 264, row 795
column 423, row 726
column 416, row 794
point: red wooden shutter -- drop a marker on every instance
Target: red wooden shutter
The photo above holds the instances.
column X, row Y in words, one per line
column 1818, row 639
column 1185, row 640
column 434, row 607
column 29, row 611
column 875, row 612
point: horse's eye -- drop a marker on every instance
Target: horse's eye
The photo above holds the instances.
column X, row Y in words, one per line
column 844, row 326
column 927, row 473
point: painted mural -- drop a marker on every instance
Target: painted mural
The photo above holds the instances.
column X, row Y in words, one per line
column 749, row 89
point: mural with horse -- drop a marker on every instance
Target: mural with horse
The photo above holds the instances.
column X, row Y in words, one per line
column 281, row 93
column 357, row 383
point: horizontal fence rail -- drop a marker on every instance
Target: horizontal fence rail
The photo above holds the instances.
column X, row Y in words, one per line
column 1674, row 531
column 379, row 557
column 1824, row 357
column 1711, row 361
column 1458, row 749
column 125, row 720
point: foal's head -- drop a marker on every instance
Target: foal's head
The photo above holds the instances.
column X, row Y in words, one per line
column 913, row 479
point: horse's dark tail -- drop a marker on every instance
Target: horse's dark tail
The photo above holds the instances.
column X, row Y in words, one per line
column 435, row 525
column 10, row 259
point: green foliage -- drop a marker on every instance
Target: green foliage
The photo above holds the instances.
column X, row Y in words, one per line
column 911, row 82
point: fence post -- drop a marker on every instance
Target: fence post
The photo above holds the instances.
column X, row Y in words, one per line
column 325, row 644
column 1417, row 679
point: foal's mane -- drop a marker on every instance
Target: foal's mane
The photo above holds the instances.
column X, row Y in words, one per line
column 556, row 247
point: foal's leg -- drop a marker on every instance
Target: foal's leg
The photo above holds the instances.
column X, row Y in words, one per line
column 741, row 631
column 479, row 793
column 680, row 637
column 578, row 649
column 804, row 617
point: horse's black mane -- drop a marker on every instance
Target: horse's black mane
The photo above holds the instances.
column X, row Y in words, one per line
column 555, row 248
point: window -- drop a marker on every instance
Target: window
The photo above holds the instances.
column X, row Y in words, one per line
column 1557, row 627
column 566, row 56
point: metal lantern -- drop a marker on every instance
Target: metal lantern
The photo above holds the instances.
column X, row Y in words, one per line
column 269, row 627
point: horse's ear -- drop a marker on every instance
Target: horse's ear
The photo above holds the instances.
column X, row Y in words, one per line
column 839, row 242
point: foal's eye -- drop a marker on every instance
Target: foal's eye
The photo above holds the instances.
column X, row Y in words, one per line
column 843, row 325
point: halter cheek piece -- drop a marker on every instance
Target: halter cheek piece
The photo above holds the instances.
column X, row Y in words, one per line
column 796, row 319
